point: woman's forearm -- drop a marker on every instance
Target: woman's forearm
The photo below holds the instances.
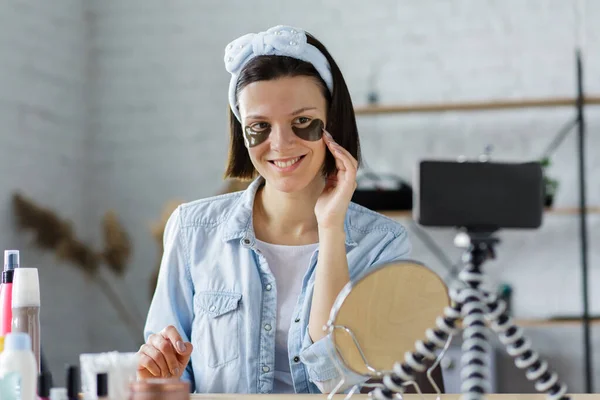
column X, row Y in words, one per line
column 330, row 277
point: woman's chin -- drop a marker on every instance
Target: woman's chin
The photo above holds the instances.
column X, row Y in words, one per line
column 289, row 184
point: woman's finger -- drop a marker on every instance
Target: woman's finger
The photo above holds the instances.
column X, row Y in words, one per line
column 184, row 349
column 350, row 175
column 147, row 363
column 338, row 155
column 339, row 164
column 346, row 158
column 333, row 145
column 158, row 358
column 164, row 346
column 143, row 373
column 346, row 153
column 329, row 142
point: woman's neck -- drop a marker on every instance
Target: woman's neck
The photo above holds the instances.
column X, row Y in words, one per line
column 287, row 218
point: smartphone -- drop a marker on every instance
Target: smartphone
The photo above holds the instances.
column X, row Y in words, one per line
column 479, row 196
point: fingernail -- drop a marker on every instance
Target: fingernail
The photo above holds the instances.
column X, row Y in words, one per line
column 176, row 372
column 181, row 347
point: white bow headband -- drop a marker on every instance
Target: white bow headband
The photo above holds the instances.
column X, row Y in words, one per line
column 281, row 41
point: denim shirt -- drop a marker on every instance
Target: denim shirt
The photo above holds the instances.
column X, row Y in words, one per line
column 217, row 290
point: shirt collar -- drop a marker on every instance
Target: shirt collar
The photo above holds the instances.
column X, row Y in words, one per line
column 239, row 223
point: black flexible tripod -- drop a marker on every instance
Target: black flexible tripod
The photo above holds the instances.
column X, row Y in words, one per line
column 474, row 306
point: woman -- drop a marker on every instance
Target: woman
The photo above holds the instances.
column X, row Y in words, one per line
column 248, row 279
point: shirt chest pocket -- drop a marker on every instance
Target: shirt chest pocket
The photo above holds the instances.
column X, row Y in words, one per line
column 217, row 326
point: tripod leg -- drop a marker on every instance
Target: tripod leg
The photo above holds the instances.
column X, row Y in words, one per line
column 475, row 347
column 519, row 347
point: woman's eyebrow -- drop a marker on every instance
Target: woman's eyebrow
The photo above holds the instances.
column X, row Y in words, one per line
column 255, row 116
column 298, row 111
column 301, row 110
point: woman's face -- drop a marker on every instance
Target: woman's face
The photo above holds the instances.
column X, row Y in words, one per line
column 283, row 138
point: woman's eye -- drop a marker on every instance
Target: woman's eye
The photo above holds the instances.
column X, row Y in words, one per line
column 302, row 120
column 259, row 126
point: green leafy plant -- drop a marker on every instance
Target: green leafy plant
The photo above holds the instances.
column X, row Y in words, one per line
column 550, row 184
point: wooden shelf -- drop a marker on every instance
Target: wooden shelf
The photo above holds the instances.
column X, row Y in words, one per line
column 535, row 323
column 554, row 211
column 473, row 106
column 396, row 214
column 572, row 210
column 550, row 322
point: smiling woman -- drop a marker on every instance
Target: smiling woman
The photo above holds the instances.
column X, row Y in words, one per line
column 321, row 87
column 248, row 279
column 279, row 110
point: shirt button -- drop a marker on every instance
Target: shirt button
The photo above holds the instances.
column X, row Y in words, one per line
column 267, row 327
column 268, row 287
column 297, row 320
column 246, row 241
column 266, row 368
column 212, row 308
column 296, row 359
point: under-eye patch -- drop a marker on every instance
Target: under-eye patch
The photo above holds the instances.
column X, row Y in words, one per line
column 254, row 138
column 313, row 132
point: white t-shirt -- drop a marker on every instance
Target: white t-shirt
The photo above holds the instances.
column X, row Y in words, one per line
column 288, row 264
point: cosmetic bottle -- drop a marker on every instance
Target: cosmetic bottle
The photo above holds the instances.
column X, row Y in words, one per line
column 44, row 384
column 72, row 382
column 18, row 357
column 26, row 308
column 11, row 262
column 102, row 386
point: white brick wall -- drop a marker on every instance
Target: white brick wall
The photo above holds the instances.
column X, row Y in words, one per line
column 43, row 118
column 157, row 125
column 160, row 114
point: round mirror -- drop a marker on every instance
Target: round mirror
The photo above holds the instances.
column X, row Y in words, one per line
column 385, row 312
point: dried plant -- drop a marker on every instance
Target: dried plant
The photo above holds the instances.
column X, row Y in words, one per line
column 53, row 233
column 48, row 229
column 117, row 247
column 79, row 254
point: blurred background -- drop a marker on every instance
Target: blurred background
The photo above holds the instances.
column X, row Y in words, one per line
column 121, row 106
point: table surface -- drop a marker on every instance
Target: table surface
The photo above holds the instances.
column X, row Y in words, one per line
column 364, row 396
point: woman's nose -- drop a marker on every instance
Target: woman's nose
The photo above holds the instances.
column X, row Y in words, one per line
column 282, row 138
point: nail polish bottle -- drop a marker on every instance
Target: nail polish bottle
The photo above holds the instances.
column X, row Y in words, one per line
column 102, row 386
column 44, row 384
column 72, row 382
column 11, row 262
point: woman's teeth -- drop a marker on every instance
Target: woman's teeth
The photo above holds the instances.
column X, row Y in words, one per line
column 285, row 164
